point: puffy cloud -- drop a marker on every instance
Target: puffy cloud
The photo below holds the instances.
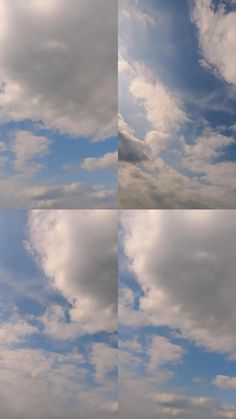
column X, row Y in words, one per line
column 209, row 145
column 155, row 182
column 108, row 161
column 217, row 37
column 105, row 360
column 52, row 385
column 147, row 402
column 170, row 405
column 77, row 251
column 162, row 107
column 27, row 146
column 161, row 352
column 131, row 149
column 225, row 382
column 185, row 267
column 15, row 330
column 167, row 167
column 158, row 185
column 49, row 75
column 16, row 193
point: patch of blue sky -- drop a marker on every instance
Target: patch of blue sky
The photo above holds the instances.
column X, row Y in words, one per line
column 194, row 375
column 171, row 50
column 62, row 164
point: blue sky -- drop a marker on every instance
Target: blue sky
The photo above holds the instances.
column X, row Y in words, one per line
column 56, row 357
column 58, row 104
column 176, row 331
column 177, row 104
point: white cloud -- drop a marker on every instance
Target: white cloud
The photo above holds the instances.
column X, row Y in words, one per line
column 140, row 398
column 59, row 64
column 147, row 180
column 172, row 405
column 108, row 161
column 105, row 360
column 27, row 146
column 50, row 385
column 217, row 38
column 132, row 13
column 162, row 107
column 185, row 264
column 17, row 194
column 225, row 382
column 131, row 149
column 77, row 251
column 162, row 352
column 209, row 145
column 15, row 330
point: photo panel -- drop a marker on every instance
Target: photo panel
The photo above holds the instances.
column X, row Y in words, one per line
column 177, row 345
column 58, row 104
column 177, row 104
column 58, row 308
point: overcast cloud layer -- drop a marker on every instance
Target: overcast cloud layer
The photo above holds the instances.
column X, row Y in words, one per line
column 58, row 66
column 177, row 103
column 177, row 314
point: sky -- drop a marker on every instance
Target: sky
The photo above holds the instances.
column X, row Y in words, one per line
column 58, row 317
column 58, row 104
column 177, row 104
column 177, row 345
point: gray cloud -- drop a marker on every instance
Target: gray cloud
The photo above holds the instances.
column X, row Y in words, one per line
column 186, row 269
column 77, row 251
column 130, row 148
column 17, row 194
column 59, row 64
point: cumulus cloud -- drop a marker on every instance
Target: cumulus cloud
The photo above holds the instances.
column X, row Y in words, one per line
column 77, row 251
column 15, row 330
column 161, row 352
column 225, row 382
column 131, row 149
column 105, row 360
column 59, row 64
column 108, row 161
column 217, row 38
column 156, row 355
column 50, row 367
column 146, row 401
column 162, row 107
column 176, row 157
column 150, row 180
column 208, row 146
column 52, row 385
column 17, row 194
column 185, row 268
column 26, row 146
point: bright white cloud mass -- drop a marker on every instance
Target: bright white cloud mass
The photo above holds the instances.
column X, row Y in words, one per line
column 177, row 314
column 58, row 78
column 177, row 103
column 58, row 316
